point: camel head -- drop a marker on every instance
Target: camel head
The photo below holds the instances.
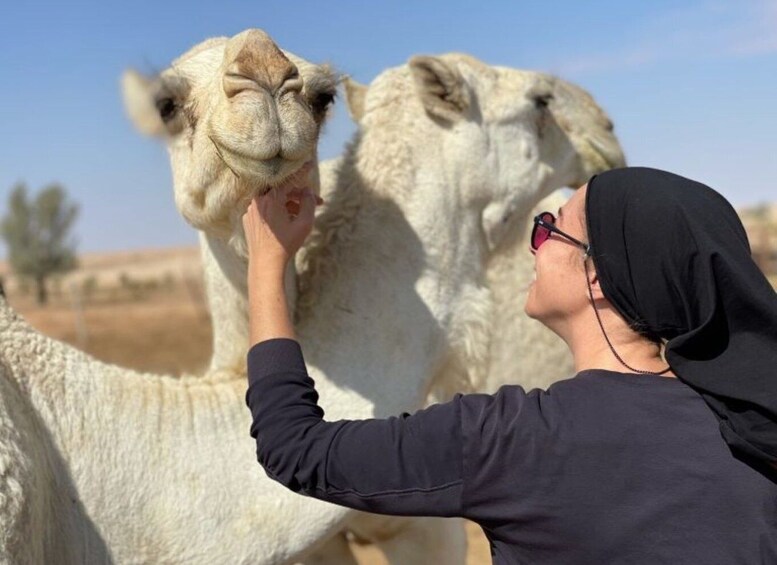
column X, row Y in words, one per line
column 503, row 138
column 239, row 116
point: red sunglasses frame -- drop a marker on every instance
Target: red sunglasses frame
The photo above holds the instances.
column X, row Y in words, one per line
column 547, row 220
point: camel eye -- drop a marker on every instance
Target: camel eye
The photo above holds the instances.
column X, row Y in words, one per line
column 542, row 101
column 323, row 101
column 166, row 108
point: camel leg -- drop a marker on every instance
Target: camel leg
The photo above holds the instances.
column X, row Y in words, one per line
column 335, row 551
column 413, row 541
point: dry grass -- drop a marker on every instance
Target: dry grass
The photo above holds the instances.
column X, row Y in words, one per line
column 163, row 334
column 162, row 329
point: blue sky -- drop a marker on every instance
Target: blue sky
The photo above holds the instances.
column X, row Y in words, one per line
column 691, row 86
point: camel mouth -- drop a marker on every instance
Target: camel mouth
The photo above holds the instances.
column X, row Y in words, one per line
column 263, row 175
column 255, row 170
column 605, row 151
column 597, row 153
column 610, row 153
column 298, row 178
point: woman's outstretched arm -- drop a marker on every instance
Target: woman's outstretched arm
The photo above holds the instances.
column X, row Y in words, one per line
column 408, row 465
column 404, row 465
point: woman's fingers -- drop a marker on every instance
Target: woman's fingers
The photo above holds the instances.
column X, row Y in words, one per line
column 277, row 224
column 306, row 208
column 249, row 216
column 280, row 212
column 295, row 199
column 292, row 207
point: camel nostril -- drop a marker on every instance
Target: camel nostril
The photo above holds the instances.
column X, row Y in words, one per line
column 235, row 83
column 291, row 74
column 292, row 82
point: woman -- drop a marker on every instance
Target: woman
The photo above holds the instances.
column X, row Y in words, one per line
column 660, row 448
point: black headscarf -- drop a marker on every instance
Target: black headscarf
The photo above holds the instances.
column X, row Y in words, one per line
column 674, row 260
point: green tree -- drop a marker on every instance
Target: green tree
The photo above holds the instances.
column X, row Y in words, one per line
column 37, row 233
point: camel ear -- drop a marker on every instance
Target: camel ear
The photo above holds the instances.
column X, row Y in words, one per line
column 355, row 93
column 137, row 91
column 441, row 87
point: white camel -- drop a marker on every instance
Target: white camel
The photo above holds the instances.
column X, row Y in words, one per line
column 102, row 464
column 578, row 133
column 524, row 351
column 521, row 350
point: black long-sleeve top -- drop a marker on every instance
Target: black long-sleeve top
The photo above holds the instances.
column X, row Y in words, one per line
column 604, row 467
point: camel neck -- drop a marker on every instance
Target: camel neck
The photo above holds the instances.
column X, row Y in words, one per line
column 398, row 289
column 226, row 288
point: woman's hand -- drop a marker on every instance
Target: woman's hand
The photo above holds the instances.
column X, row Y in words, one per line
column 276, row 225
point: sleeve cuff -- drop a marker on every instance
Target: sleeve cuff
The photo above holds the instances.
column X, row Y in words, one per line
column 280, row 355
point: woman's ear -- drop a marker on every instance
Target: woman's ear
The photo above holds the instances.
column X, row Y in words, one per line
column 593, row 280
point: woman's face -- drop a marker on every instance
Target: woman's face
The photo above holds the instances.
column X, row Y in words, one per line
column 559, row 290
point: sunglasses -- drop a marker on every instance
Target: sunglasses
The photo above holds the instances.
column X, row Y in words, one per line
column 544, row 225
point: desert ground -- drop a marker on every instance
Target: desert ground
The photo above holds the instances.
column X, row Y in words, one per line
column 128, row 308
column 146, row 310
